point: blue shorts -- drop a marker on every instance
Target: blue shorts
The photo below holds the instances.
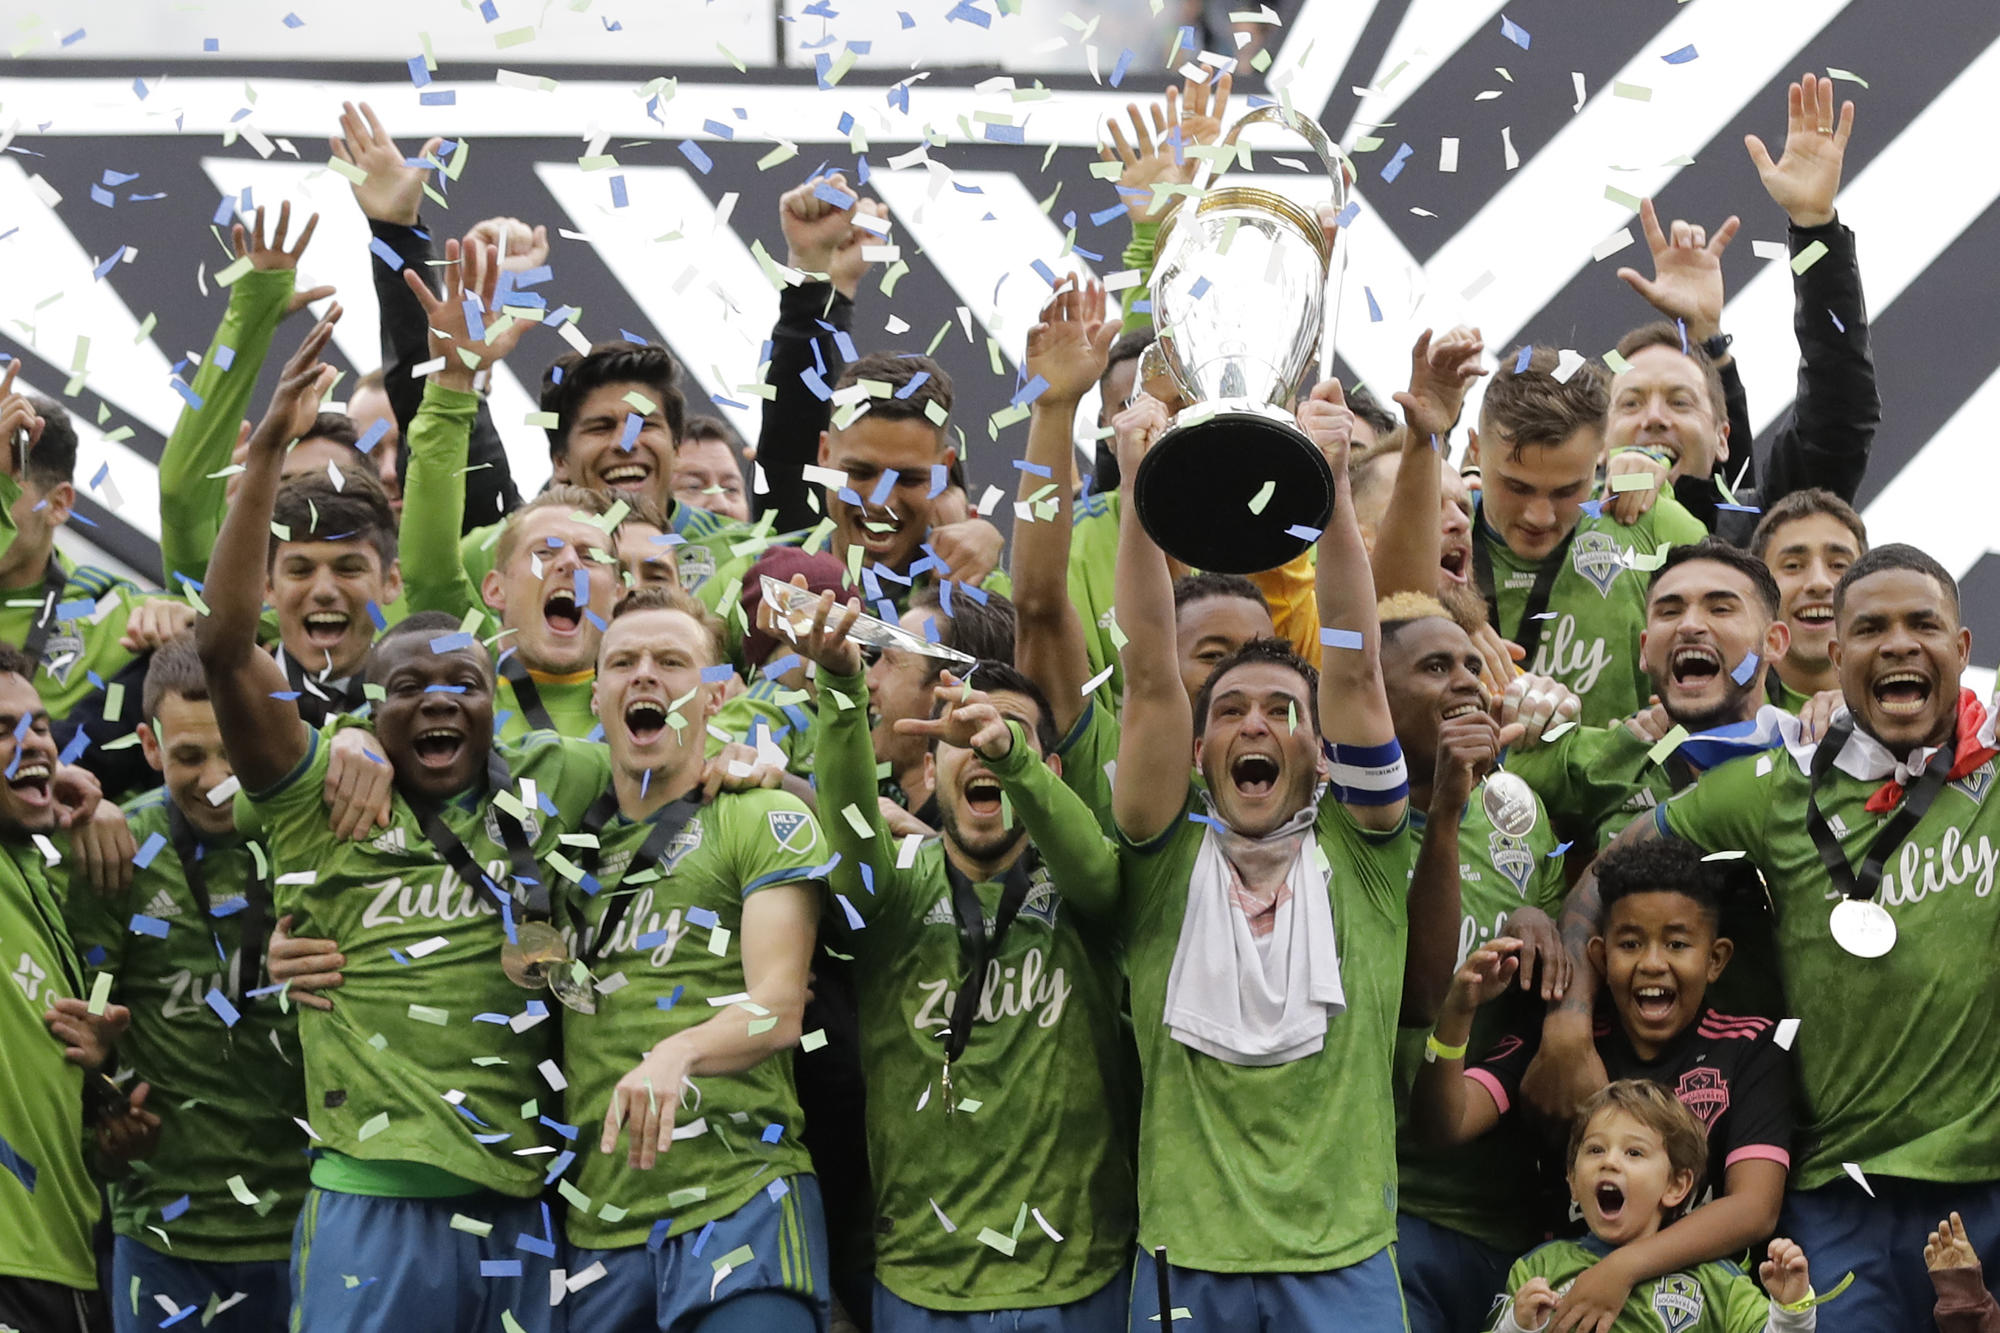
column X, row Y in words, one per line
column 266, row 1287
column 364, row 1263
column 1451, row 1282
column 1103, row 1311
column 1360, row 1298
column 673, row 1288
column 1881, row 1241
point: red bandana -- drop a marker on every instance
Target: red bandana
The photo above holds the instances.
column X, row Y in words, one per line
column 1971, row 717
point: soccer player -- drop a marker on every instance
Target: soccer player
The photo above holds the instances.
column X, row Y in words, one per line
column 700, row 933
column 707, row 473
column 424, row 1077
column 1550, row 564
column 1459, row 1217
column 1876, row 845
column 210, row 1217
column 1808, row 539
column 988, row 1007
column 331, row 578
column 1263, row 927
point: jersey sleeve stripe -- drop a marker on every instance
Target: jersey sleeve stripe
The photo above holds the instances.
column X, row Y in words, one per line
column 1492, row 1085
column 789, row 875
column 1759, row 1152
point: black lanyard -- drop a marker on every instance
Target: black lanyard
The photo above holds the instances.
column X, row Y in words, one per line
column 667, row 822
column 980, row 950
column 54, row 580
column 525, row 693
column 1529, row 636
column 315, row 703
column 250, row 950
column 1860, row 885
column 527, row 875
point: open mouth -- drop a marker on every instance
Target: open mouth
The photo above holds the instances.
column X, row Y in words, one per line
column 1455, row 563
column 561, row 612
column 1254, row 774
column 645, row 720
column 31, row 782
column 1695, row 665
column 982, row 795
column 1610, row 1200
column 879, row 534
column 1816, row 615
column 1902, row 692
column 627, row 475
column 438, row 747
column 324, row 629
column 1653, row 1004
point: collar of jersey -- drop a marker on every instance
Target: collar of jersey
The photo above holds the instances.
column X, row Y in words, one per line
column 582, row 677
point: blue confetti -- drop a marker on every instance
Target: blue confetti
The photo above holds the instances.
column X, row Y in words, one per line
column 294, row 21
column 772, row 1133
column 1374, row 310
column 854, row 921
column 1346, row 216
column 420, row 73
column 1303, row 533
column 1561, row 847
column 1394, row 167
column 451, row 643
column 1514, row 32
column 1745, row 669
column 141, row 924
column 1125, row 59
column 224, row 1010
column 149, row 849
column 618, row 196
column 499, row 1268
column 117, row 256
column 1521, row 361
column 1680, row 57
column 382, row 251
column 1340, row 638
column 692, row 152
column 173, row 1211
column 669, row 1001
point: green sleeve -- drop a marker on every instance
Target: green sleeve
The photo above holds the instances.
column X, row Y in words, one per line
column 1745, row 1309
column 475, row 552
column 1673, row 524
column 10, row 491
column 97, row 921
column 434, row 503
column 844, row 771
column 1138, row 255
column 191, row 499
column 1728, row 810
column 1065, row 832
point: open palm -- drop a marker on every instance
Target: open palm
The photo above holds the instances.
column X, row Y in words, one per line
column 393, row 190
column 1804, row 181
column 466, row 329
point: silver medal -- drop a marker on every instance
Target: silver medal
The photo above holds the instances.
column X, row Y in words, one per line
column 1510, row 804
column 1863, row 928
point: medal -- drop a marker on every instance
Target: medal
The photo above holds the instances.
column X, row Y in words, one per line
column 570, row 981
column 1509, row 803
column 535, row 951
column 1863, row 927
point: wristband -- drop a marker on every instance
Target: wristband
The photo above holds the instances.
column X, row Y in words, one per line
column 1809, row 1300
column 1368, row 774
column 1435, row 1050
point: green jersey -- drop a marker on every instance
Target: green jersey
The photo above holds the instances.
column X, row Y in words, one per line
column 1093, row 561
column 771, row 710
column 48, row 1201
column 1235, row 1161
column 677, row 948
column 1894, row 1053
column 1596, row 606
column 1714, row 1297
column 430, row 1054
column 225, row 1071
column 1089, row 757
column 564, row 699
column 1041, row 1213
column 1596, row 780
column 1477, row 1188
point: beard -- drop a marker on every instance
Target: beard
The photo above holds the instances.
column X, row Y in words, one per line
column 1729, row 709
column 986, row 848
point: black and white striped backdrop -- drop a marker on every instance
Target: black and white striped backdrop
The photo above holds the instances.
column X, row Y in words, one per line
column 122, row 131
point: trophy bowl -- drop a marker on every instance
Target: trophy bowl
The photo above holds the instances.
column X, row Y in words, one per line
column 1241, row 298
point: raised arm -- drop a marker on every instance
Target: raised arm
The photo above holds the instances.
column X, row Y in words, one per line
column 1156, row 737
column 1446, row 1107
column 1067, row 350
column 1408, row 543
column 434, row 493
column 263, row 734
column 1467, row 748
column 1153, row 161
column 1826, row 439
column 192, row 497
column 1353, row 707
column 844, row 755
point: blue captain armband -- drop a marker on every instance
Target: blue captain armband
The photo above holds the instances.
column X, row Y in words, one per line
column 1368, row 774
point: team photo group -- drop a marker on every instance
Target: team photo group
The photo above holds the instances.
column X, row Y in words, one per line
column 1496, row 851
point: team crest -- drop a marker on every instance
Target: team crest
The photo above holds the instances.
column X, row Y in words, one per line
column 1978, row 782
column 1599, row 559
column 683, row 842
column 788, row 825
column 62, row 653
column 1041, row 900
column 1511, row 858
column 1678, row 1301
column 696, row 565
column 1705, row 1092
column 532, row 825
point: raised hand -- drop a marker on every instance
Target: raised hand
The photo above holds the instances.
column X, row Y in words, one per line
column 301, row 385
column 825, row 641
column 1687, row 272
column 1328, row 423
column 1485, row 974
column 1134, row 430
column 393, row 190
column 20, row 425
column 520, row 246
column 1155, row 157
column 274, row 256
column 969, row 720
column 1950, row 1247
column 1441, row 370
column 1785, row 1273
column 821, row 236
column 459, row 331
column 1804, row 181
column 1072, row 343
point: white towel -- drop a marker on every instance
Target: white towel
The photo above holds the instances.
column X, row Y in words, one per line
column 1243, row 991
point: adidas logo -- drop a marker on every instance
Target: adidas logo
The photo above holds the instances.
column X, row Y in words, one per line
column 390, row 841
column 163, row 906
column 940, row 915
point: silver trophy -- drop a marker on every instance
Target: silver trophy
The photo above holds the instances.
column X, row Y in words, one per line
column 796, row 606
column 1245, row 292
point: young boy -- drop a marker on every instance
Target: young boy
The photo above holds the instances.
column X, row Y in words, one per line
column 1659, row 949
column 1635, row 1159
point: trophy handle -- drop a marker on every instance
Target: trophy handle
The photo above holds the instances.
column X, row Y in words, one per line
column 1339, row 171
column 1157, row 363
